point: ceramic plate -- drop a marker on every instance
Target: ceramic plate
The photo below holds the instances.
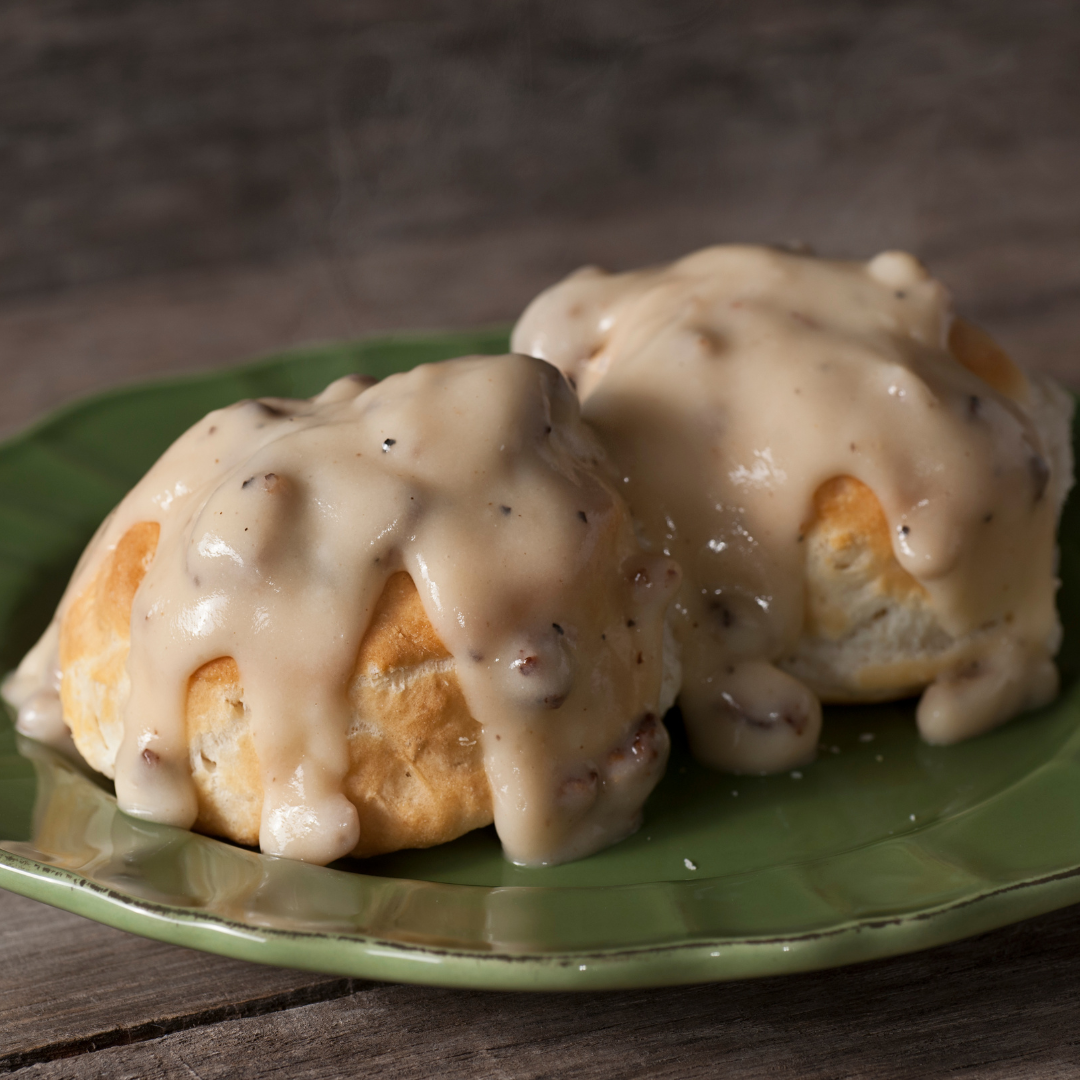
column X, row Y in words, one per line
column 883, row 846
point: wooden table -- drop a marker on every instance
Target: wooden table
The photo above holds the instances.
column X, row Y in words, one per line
column 194, row 183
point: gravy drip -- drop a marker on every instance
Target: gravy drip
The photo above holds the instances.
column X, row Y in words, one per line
column 281, row 522
column 729, row 385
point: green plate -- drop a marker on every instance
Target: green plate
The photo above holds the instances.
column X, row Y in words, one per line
column 883, row 846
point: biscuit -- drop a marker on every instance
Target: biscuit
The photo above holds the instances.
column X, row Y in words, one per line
column 870, row 632
column 416, row 773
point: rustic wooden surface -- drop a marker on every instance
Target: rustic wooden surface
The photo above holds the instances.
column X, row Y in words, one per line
column 187, row 183
column 81, row 1000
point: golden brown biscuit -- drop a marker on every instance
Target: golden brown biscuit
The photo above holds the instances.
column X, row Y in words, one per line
column 983, row 356
column 416, row 773
column 94, row 641
column 870, row 633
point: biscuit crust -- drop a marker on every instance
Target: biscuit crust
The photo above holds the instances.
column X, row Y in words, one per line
column 869, row 632
column 415, row 772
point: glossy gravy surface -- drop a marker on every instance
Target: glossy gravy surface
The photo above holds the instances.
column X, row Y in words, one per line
column 730, row 385
column 281, row 522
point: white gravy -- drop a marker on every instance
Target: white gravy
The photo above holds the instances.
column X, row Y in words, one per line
column 281, row 522
column 729, row 385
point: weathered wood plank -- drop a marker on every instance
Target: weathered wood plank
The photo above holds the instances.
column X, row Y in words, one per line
column 255, row 177
column 55, row 348
column 1007, row 1004
column 67, row 984
column 145, row 137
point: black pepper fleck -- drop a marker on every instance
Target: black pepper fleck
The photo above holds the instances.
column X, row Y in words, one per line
column 581, row 514
column 387, row 443
column 558, row 629
column 505, row 511
column 630, row 622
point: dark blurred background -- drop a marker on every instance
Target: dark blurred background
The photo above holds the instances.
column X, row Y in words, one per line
column 187, row 183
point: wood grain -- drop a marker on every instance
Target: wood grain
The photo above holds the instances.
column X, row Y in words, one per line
column 70, row 986
column 189, row 183
column 153, row 135
column 1002, row 1005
